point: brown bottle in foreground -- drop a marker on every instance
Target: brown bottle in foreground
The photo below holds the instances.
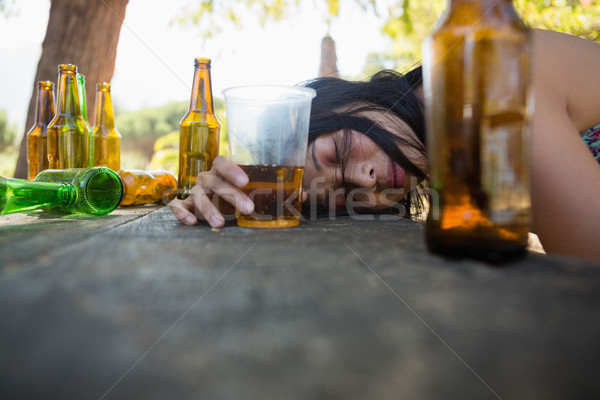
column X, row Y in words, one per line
column 37, row 137
column 146, row 187
column 68, row 135
column 198, row 130
column 476, row 69
column 106, row 139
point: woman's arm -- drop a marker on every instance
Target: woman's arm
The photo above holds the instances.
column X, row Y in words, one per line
column 565, row 182
column 565, row 175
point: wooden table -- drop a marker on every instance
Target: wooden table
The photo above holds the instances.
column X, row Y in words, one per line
column 135, row 305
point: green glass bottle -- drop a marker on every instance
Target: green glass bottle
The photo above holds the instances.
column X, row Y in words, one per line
column 82, row 96
column 96, row 190
column 68, row 134
column 83, row 106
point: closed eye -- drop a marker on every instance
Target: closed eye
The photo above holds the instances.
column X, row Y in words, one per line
column 338, row 159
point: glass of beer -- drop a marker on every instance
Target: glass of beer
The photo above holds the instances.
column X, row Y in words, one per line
column 267, row 127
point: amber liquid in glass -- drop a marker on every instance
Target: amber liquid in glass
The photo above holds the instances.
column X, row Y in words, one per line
column 276, row 191
column 68, row 132
column 37, row 152
column 107, row 151
column 145, row 187
column 37, row 137
column 198, row 131
column 198, row 147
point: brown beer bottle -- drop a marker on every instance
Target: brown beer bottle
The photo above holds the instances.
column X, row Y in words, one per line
column 198, row 130
column 106, row 139
column 146, row 187
column 37, row 137
column 68, row 135
column 477, row 84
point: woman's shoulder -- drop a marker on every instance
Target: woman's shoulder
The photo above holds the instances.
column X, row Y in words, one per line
column 566, row 68
column 566, row 43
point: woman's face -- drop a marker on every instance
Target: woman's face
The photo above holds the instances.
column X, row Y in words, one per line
column 371, row 180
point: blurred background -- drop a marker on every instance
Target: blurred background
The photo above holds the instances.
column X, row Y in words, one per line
column 146, row 49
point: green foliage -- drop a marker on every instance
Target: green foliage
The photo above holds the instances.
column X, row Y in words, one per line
column 153, row 122
column 211, row 16
column 8, row 8
column 168, row 141
column 167, row 160
column 8, row 132
column 150, row 122
column 150, row 136
column 409, row 22
column 8, row 160
column 133, row 159
column 223, row 135
column 166, row 153
column 580, row 18
column 8, row 150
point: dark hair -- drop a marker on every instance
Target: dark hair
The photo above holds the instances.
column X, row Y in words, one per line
column 345, row 105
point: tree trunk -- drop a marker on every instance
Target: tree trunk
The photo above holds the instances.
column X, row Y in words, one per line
column 80, row 32
column 328, row 58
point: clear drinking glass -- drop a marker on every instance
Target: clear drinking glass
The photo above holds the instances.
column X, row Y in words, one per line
column 268, row 136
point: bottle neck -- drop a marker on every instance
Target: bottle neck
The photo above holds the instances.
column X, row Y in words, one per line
column 104, row 109
column 202, row 100
column 18, row 195
column 44, row 104
column 68, row 95
column 82, row 95
column 475, row 12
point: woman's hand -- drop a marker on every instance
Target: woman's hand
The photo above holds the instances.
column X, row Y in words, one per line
column 216, row 192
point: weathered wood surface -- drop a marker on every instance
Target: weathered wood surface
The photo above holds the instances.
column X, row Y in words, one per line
column 138, row 306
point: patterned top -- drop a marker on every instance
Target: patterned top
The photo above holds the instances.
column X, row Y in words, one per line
column 591, row 137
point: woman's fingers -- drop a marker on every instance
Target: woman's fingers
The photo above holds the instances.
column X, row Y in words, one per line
column 198, row 205
column 183, row 211
column 222, row 189
column 230, row 171
column 216, row 192
column 205, row 208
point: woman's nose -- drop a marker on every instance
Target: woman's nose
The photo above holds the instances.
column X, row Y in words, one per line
column 364, row 175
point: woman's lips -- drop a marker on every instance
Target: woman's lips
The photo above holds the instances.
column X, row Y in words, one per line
column 395, row 175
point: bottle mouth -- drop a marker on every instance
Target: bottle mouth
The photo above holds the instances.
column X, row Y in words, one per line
column 102, row 192
column 201, row 60
column 67, row 67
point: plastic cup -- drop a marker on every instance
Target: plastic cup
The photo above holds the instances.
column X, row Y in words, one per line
column 268, row 135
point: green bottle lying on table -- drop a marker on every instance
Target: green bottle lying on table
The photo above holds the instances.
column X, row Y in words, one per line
column 96, row 190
